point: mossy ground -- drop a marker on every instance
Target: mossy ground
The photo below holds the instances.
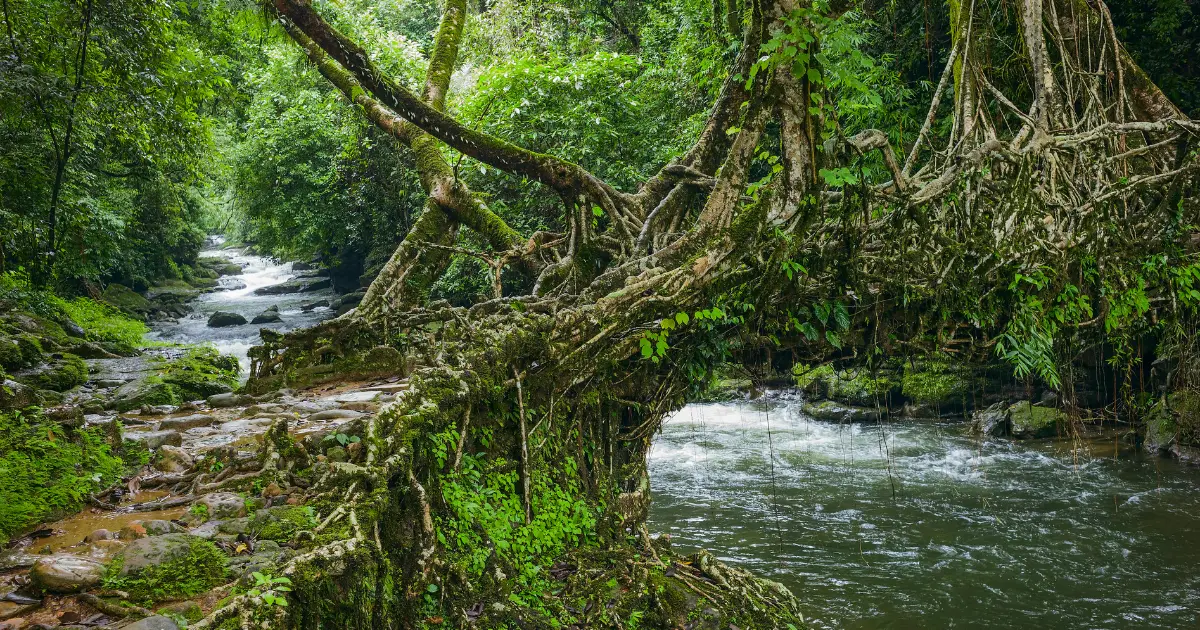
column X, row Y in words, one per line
column 47, row 470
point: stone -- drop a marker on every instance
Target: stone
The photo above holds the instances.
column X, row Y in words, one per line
column 124, row 298
column 309, row 407
column 269, row 316
column 991, row 422
column 263, row 410
column 99, row 534
column 64, row 573
column 157, row 410
column 156, row 439
column 207, row 529
column 224, row 401
column 336, row 454
column 67, row 415
column 298, row 285
column 89, row 350
column 14, row 395
column 184, row 423
column 834, row 412
column 148, row 390
column 60, row 374
column 16, row 559
column 334, row 414
column 310, row 306
column 1032, row 422
column 223, row 505
column 149, row 552
column 156, row 622
column 222, row 319
column 348, row 397
column 159, row 527
column 133, row 530
column 172, row 459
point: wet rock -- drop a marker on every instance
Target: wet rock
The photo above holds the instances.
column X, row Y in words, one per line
column 16, row 559
column 172, row 459
column 144, row 553
column 107, row 383
column 99, row 534
column 223, row 505
column 334, row 414
column 224, row 401
column 313, row 305
column 221, row 319
column 298, row 285
column 302, row 266
column 834, row 412
column 157, row 410
column 992, row 422
column 156, row 622
column 184, row 423
column 269, row 316
column 64, row 573
column 156, row 439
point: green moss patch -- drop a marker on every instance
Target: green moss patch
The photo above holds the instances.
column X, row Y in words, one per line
column 191, row 566
column 47, row 470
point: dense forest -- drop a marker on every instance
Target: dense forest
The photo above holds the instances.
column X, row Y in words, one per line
column 546, row 227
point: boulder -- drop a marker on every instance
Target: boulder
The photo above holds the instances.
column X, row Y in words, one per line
column 89, row 350
column 269, row 316
column 1031, row 422
column 298, row 285
column 14, row 395
column 160, row 527
column 66, row 415
column 184, row 423
column 60, row 374
column 312, row 305
column 153, row 551
column 99, row 534
column 64, row 573
column 834, row 412
column 222, row 505
column 156, row 439
column 991, row 422
column 146, row 391
column 334, row 414
column 172, row 459
column 155, row 622
column 222, row 319
column 224, row 401
column 124, row 298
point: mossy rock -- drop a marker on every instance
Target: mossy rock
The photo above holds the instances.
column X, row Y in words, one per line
column 151, row 390
column 59, row 375
column 125, row 298
column 934, row 383
column 1030, row 421
column 168, row 567
column 49, row 334
column 853, row 387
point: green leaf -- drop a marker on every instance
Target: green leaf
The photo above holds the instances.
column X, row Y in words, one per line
column 432, row 588
column 682, row 318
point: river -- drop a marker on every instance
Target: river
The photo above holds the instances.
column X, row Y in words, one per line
column 236, row 294
column 919, row 525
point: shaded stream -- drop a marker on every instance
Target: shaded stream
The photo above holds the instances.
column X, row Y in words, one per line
column 920, row 525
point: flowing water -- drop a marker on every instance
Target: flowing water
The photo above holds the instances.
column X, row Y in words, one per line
column 236, row 294
column 920, row 525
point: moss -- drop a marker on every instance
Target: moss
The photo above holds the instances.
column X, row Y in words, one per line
column 125, row 298
column 1029, row 420
column 150, row 391
column 279, row 524
column 102, row 322
column 934, row 383
column 200, row 569
column 200, row 373
column 856, row 387
column 61, row 375
column 46, row 470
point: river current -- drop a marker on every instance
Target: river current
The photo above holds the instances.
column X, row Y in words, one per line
column 236, row 294
column 920, row 525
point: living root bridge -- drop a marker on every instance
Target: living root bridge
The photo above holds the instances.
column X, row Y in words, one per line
column 525, row 433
